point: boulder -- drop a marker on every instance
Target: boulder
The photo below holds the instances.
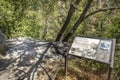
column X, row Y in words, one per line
column 31, row 59
column 2, row 43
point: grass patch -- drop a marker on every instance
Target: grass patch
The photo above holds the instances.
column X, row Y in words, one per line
column 82, row 69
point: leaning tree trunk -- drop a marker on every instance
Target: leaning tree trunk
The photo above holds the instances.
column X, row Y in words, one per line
column 70, row 13
column 78, row 22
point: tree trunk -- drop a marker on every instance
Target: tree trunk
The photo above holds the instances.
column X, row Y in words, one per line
column 71, row 11
column 78, row 22
column 46, row 28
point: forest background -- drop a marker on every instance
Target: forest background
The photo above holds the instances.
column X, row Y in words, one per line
column 62, row 20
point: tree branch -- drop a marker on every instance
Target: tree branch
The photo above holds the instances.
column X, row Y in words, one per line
column 78, row 22
column 67, row 21
column 100, row 10
column 75, row 6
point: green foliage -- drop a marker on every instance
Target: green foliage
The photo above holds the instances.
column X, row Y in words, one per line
column 116, row 64
column 113, row 29
column 28, row 18
column 6, row 16
column 42, row 19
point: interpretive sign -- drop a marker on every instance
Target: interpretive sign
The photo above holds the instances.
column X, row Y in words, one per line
column 93, row 48
column 97, row 49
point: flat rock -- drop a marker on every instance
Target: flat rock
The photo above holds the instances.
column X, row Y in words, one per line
column 30, row 59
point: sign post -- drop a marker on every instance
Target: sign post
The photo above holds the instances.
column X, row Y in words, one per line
column 111, row 59
column 101, row 50
column 109, row 73
column 66, row 65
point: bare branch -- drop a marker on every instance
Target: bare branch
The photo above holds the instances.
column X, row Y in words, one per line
column 78, row 22
column 75, row 6
column 100, row 10
column 67, row 21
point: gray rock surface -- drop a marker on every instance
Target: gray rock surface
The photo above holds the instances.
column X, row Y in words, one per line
column 30, row 59
column 2, row 43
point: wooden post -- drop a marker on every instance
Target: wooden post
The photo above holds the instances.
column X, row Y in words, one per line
column 66, row 64
column 111, row 59
column 110, row 73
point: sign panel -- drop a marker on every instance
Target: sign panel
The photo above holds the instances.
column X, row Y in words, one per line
column 96, row 49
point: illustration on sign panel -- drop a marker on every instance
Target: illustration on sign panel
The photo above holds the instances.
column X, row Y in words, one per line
column 96, row 49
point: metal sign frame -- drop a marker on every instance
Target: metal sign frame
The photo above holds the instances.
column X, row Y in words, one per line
column 111, row 58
